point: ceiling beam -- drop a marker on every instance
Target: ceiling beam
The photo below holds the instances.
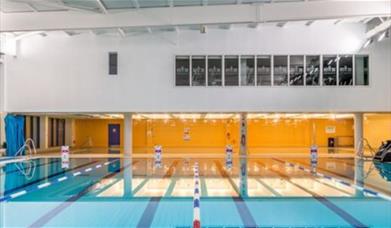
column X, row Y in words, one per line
column 184, row 16
column 56, row 4
column 380, row 28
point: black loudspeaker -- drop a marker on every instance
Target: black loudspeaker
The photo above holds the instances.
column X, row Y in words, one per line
column 113, row 63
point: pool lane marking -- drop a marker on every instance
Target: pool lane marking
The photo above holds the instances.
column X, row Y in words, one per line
column 241, row 206
column 224, row 173
column 334, row 208
column 61, row 179
column 171, row 187
column 340, row 161
column 39, row 165
column 328, row 171
column 140, row 186
column 150, row 211
column 204, row 190
column 270, row 189
column 88, row 169
column 33, row 188
column 352, row 185
column 48, row 177
column 44, row 185
column 43, row 220
column 318, row 181
column 112, row 183
column 17, row 194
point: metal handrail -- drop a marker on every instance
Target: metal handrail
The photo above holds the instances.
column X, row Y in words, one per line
column 361, row 146
column 28, row 171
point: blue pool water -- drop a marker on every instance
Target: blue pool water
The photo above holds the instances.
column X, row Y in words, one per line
column 255, row 192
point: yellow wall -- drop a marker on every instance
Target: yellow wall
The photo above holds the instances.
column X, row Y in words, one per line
column 377, row 128
column 218, row 133
column 295, row 133
column 95, row 129
column 171, row 133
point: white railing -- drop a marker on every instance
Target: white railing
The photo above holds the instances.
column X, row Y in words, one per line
column 364, row 144
column 27, row 145
column 27, row 166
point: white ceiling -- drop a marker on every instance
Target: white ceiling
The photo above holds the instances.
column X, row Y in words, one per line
column 135, row 17
column 17, row 6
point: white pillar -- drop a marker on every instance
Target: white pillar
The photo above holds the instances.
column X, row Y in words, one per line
column 243, row 134
column 44, row 132
column 2, row 105
column 128, row 138
column 243, row 188
column 127, row 174
column 358, row 133
column 2, row 128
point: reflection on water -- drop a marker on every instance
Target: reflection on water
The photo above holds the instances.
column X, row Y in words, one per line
column 248, row 177
column 384, row 170
column 264, row 191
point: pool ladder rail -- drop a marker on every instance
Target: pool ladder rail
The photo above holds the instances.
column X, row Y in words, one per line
column 27, row 166
column 364, row 144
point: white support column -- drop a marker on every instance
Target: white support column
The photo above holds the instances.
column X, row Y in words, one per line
column 2, row 105
column 128, row 138
column 243, row 188
column 358, row 133
column 243, row 134
column 2, row 128
column 69, row 132
column 44, row 132
column 128, row 175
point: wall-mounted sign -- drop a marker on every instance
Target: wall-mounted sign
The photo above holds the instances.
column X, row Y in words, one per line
column 65, row 157
column 330, row 129
column 186, row 134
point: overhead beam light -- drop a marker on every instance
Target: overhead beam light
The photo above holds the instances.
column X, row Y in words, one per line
column 121, row 32
column 382, row 36
column 101, row 6
column 367, row 43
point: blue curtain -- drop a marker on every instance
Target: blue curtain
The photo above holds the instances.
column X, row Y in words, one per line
column 14, row 133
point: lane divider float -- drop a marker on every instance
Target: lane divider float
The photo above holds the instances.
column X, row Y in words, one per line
column 196, row 198
column 360, row 188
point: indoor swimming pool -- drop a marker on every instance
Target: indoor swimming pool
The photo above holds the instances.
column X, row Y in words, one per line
column 139, row 192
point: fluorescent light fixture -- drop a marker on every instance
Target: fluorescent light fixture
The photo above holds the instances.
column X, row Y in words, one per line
column 155, row 116
column 187, row 116
column 219, row 116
